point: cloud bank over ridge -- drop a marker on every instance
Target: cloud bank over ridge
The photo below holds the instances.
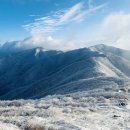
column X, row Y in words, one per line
column 60, row 29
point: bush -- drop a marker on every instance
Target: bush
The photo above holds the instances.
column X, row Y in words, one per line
column 38, row 127
column 37, row 123
column 35, row 127
column 7, row 126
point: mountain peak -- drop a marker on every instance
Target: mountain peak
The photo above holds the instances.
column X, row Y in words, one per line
column 100, row 46
column 39, row 72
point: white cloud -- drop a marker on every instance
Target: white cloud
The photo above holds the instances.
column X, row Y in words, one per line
column 49, row 24
column 54, row 22
column 116, row 29
column 41, row 28
column 46, row 42
column 71, row 13
column 83, row 14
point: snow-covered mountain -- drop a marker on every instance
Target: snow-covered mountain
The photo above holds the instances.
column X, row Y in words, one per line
column 35, row 73
column 90, row 89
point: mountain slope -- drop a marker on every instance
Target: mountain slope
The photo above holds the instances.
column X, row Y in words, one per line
column 36, row 73
column 118, row 57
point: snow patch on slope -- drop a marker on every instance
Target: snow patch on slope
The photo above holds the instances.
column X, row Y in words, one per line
column 37, row 51
column 104, row 66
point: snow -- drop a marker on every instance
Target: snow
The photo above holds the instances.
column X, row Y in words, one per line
column 7, row 126
column 24, row 76
column 77, row 111
column 103, row 67
column 37, row 51
column 89, row 90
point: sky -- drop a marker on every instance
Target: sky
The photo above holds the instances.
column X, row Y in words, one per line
column 65, row 24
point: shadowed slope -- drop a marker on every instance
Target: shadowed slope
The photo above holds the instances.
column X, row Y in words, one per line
column 36, row 73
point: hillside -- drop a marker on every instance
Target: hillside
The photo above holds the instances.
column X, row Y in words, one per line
column 83, row 89
column 35, row 73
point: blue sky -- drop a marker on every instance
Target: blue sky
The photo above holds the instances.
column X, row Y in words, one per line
column 65, row 23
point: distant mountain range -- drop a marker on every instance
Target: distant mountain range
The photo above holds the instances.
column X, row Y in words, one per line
column 35, row 73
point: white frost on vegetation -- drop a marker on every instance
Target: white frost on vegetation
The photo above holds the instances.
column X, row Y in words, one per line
column 95, row 110
column 6, row 126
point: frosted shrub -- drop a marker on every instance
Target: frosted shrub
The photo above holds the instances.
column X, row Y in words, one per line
column 38, row 123
column 5, row 126
column 39, row 127
column 35, row 127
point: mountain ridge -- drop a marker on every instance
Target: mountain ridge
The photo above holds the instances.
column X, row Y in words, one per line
column 37, row 72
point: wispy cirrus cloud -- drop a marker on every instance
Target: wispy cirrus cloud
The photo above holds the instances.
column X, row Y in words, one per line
column 42, row 28
column 83, row 14
column 57, row 20
column 90, row 3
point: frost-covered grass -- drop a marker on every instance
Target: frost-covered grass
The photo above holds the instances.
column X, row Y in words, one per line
column 6, row 126
column 79, row 111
